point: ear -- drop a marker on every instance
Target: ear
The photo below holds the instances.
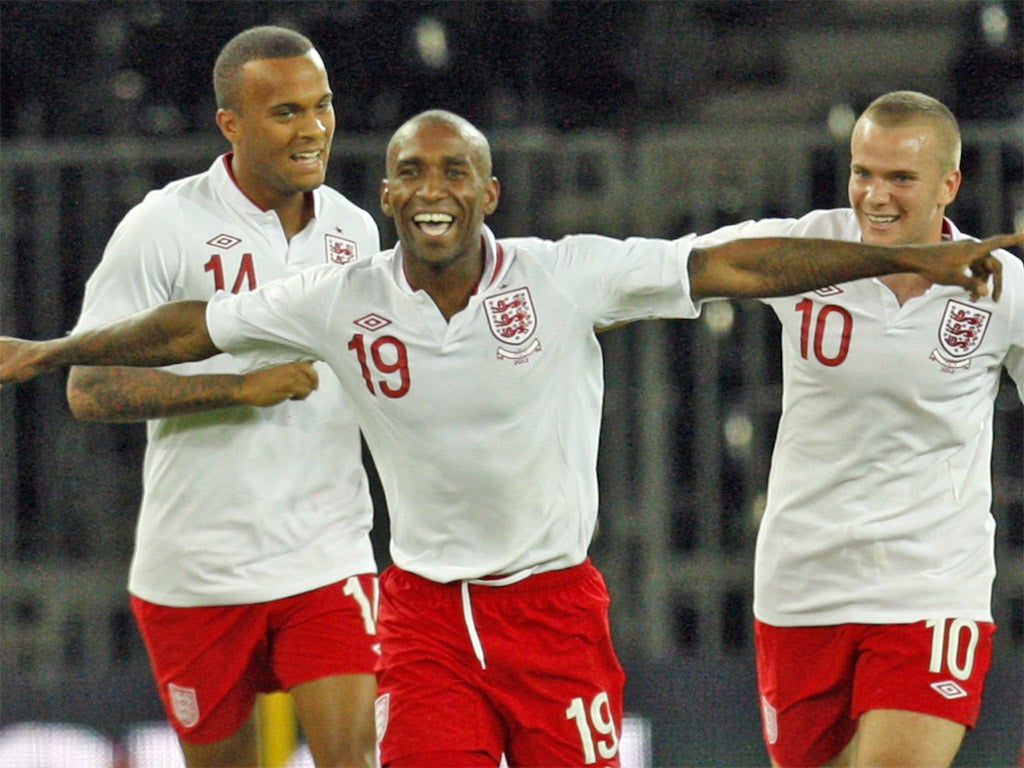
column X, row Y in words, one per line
column 950, row 186
column 385, row 198
column 227, row 121
column 493, row 193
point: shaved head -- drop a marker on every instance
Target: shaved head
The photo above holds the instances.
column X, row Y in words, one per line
column 898, row 109
column 253, row 44
column 468, row 131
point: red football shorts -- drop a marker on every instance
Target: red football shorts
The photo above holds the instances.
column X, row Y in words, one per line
column 816, row 681
column 470, row 671
column 210, row 662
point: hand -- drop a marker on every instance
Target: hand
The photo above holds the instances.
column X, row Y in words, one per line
column 270, row 386
column 968, row 263
column 19, row 360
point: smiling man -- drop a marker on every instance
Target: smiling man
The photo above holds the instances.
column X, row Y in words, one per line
column 475, row 372
column 253, row 564
column 876, row 554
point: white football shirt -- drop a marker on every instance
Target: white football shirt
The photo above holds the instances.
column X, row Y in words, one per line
column 485, row 428
column 241, row 504
column 879, row 494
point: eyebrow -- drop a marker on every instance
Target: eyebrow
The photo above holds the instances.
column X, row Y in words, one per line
column 904, row 171
column 296, row 105
column 446, row 160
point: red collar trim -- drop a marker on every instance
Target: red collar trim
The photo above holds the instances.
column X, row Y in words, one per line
column 231, row 173
column 499, row 260
column 234, row 180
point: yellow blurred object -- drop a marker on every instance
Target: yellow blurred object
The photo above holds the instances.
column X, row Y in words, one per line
column 278, row 729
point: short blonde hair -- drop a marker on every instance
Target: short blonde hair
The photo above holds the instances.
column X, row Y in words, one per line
column 898, row 108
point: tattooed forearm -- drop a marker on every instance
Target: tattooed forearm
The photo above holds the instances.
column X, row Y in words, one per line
column 112, row 394
column 782, row 266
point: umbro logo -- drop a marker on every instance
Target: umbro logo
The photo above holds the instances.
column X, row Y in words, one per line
column 224, row 241
column 949, row 689
column 372, row 322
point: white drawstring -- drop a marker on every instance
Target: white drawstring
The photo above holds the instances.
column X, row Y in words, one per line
column 474, row 638
column 467, row 606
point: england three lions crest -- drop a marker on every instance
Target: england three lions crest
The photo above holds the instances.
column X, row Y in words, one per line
column 340, row 250
column 961, row 330
column 513, row 321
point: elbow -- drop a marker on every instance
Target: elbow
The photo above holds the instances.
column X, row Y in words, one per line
column 80, row 401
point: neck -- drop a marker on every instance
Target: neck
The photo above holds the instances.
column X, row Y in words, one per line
column 294, row 210
column 449, row 285
column 295, row 213
column 907, row 285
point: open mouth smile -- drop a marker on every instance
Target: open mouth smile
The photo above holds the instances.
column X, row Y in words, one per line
column 433, row 224
column 310, row 157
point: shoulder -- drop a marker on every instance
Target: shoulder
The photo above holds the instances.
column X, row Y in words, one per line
column 161, row 207
column 829, row 224
column 525, row 245
column 336, row 205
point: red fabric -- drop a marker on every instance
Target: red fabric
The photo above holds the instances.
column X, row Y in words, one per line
column 816, row 681
column 552, row 689
column 217, row 658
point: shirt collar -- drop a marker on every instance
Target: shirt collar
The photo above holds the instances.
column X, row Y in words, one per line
column 494, row 263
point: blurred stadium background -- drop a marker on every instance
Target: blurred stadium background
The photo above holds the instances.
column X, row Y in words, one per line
column 645, row 118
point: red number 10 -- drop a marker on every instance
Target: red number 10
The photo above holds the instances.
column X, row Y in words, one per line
column 806, row 307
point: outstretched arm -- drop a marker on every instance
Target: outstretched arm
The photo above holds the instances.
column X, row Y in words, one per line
column 170, row 333
column 779, row 266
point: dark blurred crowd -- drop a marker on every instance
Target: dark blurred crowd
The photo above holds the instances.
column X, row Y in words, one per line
column 142, row 67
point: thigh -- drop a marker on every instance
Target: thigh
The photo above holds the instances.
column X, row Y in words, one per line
column 326, row 631
column 430, row 701
column 552, row 668
column 900, row 737
column 207, row 662
column 805, row 678
column 337, row 717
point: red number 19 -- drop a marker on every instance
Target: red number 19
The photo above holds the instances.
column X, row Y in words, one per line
column 389, row 356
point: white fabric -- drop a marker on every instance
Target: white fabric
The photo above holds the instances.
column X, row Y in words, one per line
column 879, row 494
column 487, row 448
column 244, row 504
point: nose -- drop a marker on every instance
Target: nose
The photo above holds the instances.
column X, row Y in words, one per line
column 876, row 191
column 434, row 186
column 314, row 125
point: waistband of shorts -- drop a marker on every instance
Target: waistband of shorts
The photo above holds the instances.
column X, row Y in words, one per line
column 531, row 583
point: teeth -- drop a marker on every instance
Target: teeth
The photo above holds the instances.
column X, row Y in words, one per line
column 433, row 224
column 308, row 155
column 882, row 219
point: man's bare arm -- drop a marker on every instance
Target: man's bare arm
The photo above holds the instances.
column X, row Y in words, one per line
column 118, row 394
column 779, row 266
column 170, row 333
